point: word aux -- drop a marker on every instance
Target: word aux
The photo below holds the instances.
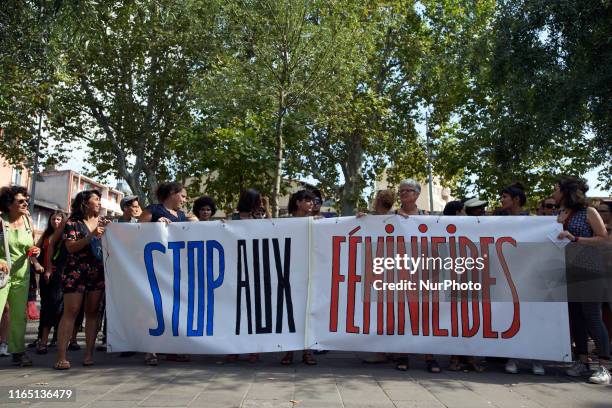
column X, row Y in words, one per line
column 195, row 264
column 282, row 266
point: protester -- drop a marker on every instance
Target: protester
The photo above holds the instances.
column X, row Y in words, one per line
column 383, row 203
column 300, row 205
column 409, row 191
column 83, row 274
column 475, row 207
column 458, row 363
column 454, row 208
column 204, row 208
column 249, row 203
column 51, row 296
column 605, row 209
column 131, row 212
column 317, row 202
column 550, row 207
column 172, row 196
column 17, row 253
column 130, row 206
column 513, row 199
column 583, row 226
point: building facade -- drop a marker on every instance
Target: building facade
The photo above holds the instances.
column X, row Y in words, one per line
column 61, row 186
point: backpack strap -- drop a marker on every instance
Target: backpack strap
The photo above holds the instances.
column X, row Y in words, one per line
column 5, row 242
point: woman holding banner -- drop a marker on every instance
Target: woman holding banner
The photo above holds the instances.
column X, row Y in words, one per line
column 300, row 205
column 409, row 192
column 83, row 273
column 171, row 196
column 249, row 203
column 583, row 226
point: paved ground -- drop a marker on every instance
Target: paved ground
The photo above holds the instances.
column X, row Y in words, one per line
column 340, row 380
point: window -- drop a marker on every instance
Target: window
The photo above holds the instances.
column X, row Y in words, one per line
column 16, row 177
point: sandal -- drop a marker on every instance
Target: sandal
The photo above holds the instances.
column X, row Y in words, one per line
column 231, row 358
column 40, row 349
column 455, row 365
column 88, row 362
column 253, row 358
column 474, row 366
column 74, row 346
column 62, row 365
column 182, row 358
column 308, row 359
column 288, row 359
column 151, row 360
column 433, row 366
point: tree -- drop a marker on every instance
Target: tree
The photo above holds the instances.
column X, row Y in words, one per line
column 126, row 90
column 537, row 103
column 285, row 51
column 28, row 79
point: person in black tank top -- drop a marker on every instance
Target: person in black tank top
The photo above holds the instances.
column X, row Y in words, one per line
column 171, row 196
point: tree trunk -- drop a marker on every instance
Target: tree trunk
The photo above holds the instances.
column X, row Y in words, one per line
column 278, row 158
column 351, row 191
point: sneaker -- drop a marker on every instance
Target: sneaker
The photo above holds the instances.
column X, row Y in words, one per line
column 537, row 369
column 4, row 350
column 601, row 376
column 512, row 367
column 578, row 369
column 21, row 360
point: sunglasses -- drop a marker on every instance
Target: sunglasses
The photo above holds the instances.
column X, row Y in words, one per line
column 23, row 201
column 551, row 206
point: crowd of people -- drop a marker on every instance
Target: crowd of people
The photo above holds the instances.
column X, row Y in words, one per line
column 66, row 261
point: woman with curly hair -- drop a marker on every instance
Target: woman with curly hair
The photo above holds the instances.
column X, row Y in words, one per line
column 17, row 252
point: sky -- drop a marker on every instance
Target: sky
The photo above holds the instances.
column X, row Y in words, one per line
column 79, row 153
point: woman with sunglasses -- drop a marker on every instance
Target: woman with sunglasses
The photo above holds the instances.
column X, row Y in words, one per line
column 300, row 205
column 17, row 252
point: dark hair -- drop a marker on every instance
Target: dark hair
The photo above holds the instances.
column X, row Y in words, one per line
column 516, row 190
column 50, row 228
column 452, row 207
column 249, row 200
column 203, row 202
column 165, row 190
column 316, row 192
column 386, row 198
column 7, row 196
column 574, row 192
column 298, row 196
column 79, row 203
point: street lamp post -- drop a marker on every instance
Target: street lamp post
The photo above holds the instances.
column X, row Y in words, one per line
column 428, row 152
column 35, row 167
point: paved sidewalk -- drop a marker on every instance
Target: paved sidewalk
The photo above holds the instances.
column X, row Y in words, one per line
column 339, row 380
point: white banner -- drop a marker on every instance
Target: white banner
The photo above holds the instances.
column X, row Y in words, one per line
column 207, row 287
column 289, row 284
column 503, row 318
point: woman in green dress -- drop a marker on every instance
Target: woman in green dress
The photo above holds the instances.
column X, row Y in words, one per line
column 18, row 238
